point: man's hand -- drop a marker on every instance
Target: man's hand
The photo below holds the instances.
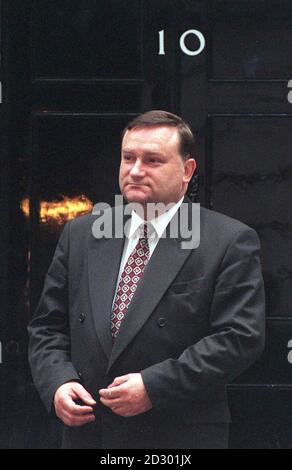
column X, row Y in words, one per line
column 126, row 396
column 66, row 408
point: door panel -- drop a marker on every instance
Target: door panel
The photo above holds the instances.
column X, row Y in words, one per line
column 248, row 169
column 251, row 40
column 72, row 39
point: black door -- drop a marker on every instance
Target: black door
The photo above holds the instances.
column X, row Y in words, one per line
column 73, row 73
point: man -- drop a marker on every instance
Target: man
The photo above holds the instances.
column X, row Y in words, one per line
column 135, row 338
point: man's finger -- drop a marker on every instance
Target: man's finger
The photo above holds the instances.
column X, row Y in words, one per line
column 118, row 408
column 83, row 395
column 111, row 403
column 77, row 410
column 119, row 381
column 111, row 394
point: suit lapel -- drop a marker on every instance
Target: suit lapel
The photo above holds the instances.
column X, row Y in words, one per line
column 104, row 258
column 104, row 262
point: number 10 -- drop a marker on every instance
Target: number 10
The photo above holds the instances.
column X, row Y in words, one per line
column 183, row 46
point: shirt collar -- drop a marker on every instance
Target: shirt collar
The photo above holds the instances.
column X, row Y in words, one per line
column 159, row 224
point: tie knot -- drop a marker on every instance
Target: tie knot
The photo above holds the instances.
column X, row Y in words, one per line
column 146, row 231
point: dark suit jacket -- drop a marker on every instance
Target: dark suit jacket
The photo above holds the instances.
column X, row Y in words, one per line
column 195, row 323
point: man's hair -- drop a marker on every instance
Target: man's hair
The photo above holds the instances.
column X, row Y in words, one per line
column 166, row 119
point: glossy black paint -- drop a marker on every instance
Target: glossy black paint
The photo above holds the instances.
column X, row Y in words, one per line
column 73, row 74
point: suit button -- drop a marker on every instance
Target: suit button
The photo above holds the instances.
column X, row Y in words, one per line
column 80, row 375
column 82, row 317
column 161, row 322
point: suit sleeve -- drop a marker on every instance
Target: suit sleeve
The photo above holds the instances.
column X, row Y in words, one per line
column 236, row 332
column 49, row 340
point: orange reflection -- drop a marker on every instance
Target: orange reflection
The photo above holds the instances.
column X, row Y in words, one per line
column 59, row 212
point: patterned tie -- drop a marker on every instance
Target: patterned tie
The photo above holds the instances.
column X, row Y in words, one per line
column 129, row 281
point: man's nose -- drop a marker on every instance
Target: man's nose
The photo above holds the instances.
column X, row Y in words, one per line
column 137, row 169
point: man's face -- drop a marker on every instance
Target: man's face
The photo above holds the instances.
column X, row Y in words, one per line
column 152, row 169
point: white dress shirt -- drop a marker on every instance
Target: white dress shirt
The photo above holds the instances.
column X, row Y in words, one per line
column 156, row 228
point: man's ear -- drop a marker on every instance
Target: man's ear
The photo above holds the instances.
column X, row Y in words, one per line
column 190, row 168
